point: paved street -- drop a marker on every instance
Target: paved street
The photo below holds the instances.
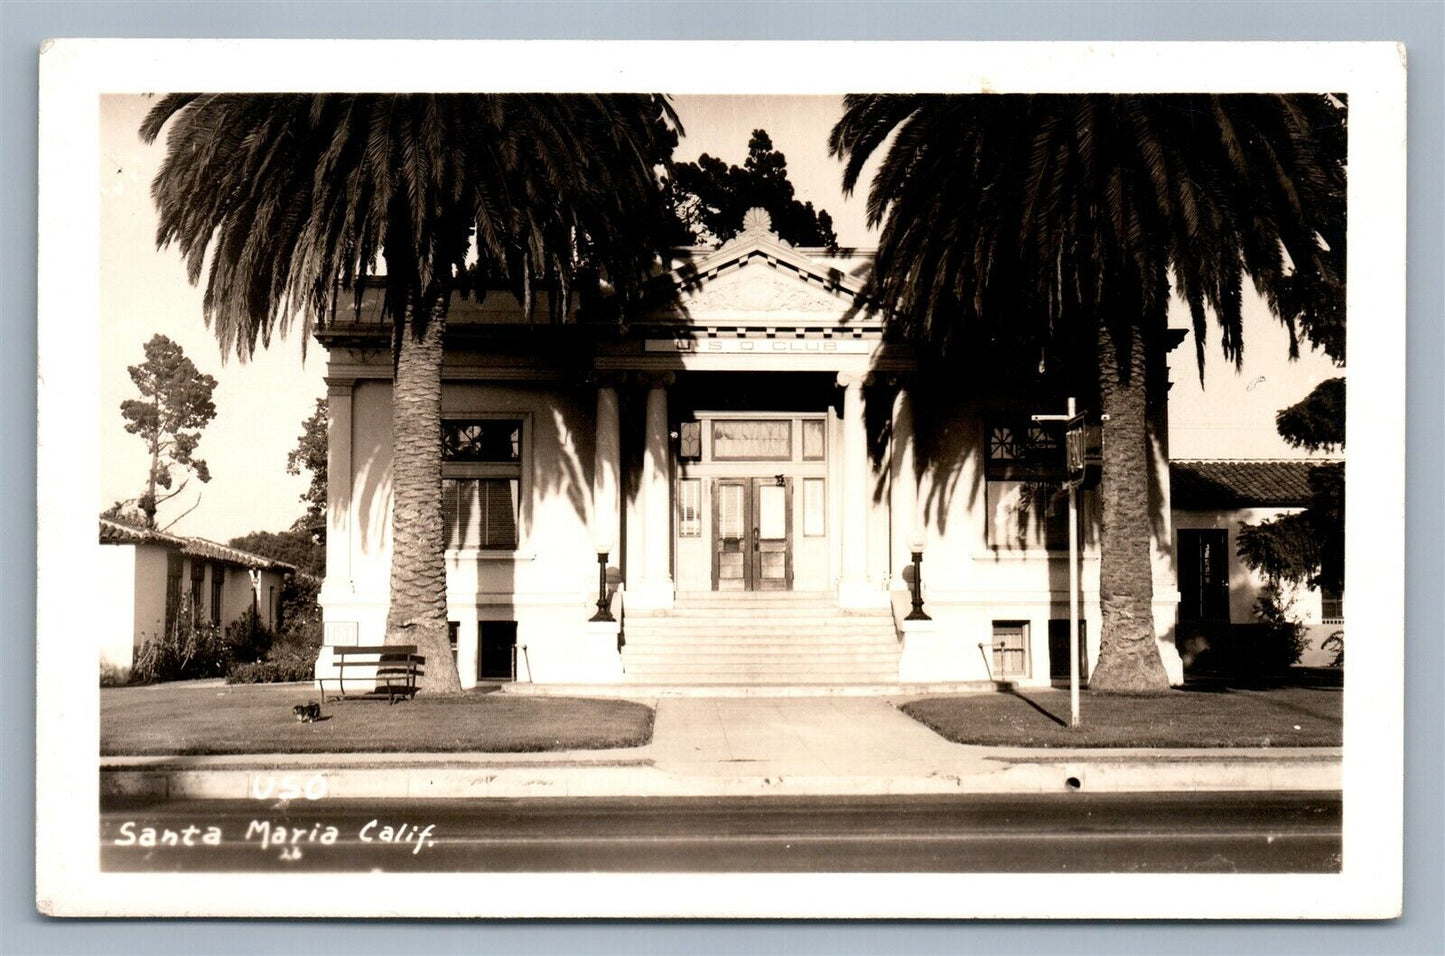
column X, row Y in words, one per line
column 1144, row 832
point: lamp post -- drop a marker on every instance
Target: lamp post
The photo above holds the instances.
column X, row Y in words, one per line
column 1074, row 460
column 915, row 545
column 604, row 609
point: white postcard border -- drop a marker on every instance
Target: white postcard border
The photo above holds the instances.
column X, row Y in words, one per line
column 75, row 72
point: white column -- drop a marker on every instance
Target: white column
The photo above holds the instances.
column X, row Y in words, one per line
column 853, row 589
column 338, row 491
column 606, row 486
column 469, row 648
column 1164, row 571
column 903, row 498
column 656, row 589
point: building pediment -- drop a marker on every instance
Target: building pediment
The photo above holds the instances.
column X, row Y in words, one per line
column 757, row 280
column 758, row 290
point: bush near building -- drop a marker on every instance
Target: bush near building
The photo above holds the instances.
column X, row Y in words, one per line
column 289, row 655
column 285, row 670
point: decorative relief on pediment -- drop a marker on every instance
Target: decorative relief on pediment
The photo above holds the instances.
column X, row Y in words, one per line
column 757, row 288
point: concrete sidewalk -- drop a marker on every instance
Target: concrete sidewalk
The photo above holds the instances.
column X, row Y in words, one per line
column 732, row 746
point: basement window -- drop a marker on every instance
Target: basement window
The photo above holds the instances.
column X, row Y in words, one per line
column 1010, row 649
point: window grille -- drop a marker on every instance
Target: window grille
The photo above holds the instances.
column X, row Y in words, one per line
column 198, row 577
column 1027, row 509
column 1010, row 649
column 482, row 483
column 173, row 589
column 218, row 584
column 1020, row 449
column 482, row 440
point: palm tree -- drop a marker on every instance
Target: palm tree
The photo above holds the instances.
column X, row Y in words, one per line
column 1052, row 225
column 296, row 198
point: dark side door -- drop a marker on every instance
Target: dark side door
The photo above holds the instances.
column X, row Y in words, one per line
column 1203, row 575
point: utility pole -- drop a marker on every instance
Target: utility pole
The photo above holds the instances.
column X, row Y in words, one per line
column 1075, row 458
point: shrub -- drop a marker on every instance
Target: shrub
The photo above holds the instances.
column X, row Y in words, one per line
column 283, row 670
column 1335, row 642
column 301, row 630
column 1268, row 646
column 1280, row 639
column 300, row 613
column 247, row 639
column 113, row 676
column 187, row 651
column 290, row 658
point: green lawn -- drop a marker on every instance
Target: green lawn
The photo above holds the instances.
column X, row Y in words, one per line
column 1216, row 717
column 186, row 718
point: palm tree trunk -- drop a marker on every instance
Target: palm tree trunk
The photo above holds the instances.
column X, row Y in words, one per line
column 1128, row 656
column 418, row 611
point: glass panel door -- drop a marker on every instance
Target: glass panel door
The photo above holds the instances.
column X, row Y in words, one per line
column 752, row 534
column 772, row 549
column 731, row 523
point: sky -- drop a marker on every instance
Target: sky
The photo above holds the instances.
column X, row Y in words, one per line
column 262, row 403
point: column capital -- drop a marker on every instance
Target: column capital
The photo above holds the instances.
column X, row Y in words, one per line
column 854, row 379
column 656, row 379
column 605, row 379
column 339, row 386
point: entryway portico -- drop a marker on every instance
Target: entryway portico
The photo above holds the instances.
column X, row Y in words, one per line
column 754, row 473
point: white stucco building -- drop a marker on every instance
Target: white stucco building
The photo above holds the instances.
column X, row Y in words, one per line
column 756, row 461
column 145, row 574
column 1212, row 501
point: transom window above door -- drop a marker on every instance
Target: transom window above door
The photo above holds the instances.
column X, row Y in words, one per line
column 781, row 438
column 757, row 440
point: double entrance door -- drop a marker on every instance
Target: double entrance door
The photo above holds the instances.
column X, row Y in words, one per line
column 752, row 524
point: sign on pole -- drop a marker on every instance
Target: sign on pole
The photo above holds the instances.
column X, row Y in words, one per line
column 1076, row 449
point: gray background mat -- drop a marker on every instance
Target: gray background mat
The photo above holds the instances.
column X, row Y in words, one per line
column 1420, row 25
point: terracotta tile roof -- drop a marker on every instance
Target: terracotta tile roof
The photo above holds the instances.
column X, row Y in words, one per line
column 201, row 548
column 116, row 532
column 1202, row 485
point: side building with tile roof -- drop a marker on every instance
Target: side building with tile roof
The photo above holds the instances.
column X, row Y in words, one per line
column 149, row 577
column 1211, row 501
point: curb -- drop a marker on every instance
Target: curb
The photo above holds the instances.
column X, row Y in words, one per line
column 260, row 778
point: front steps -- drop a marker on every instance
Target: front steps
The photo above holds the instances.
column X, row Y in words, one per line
column 651, row 692
column 755, row 639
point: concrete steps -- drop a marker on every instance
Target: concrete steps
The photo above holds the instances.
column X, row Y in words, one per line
column 682, row 631
column 747, row 639
column 783, row 612
column 639, row 690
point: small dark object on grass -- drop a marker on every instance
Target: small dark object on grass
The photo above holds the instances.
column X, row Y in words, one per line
column 307, row 713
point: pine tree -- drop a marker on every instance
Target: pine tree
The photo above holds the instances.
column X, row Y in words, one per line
column 174, row 406
column 709, row 199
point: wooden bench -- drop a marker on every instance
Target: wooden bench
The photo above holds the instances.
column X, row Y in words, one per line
column 394, row 666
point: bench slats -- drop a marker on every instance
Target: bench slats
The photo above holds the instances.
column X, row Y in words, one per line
column 384, row 661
